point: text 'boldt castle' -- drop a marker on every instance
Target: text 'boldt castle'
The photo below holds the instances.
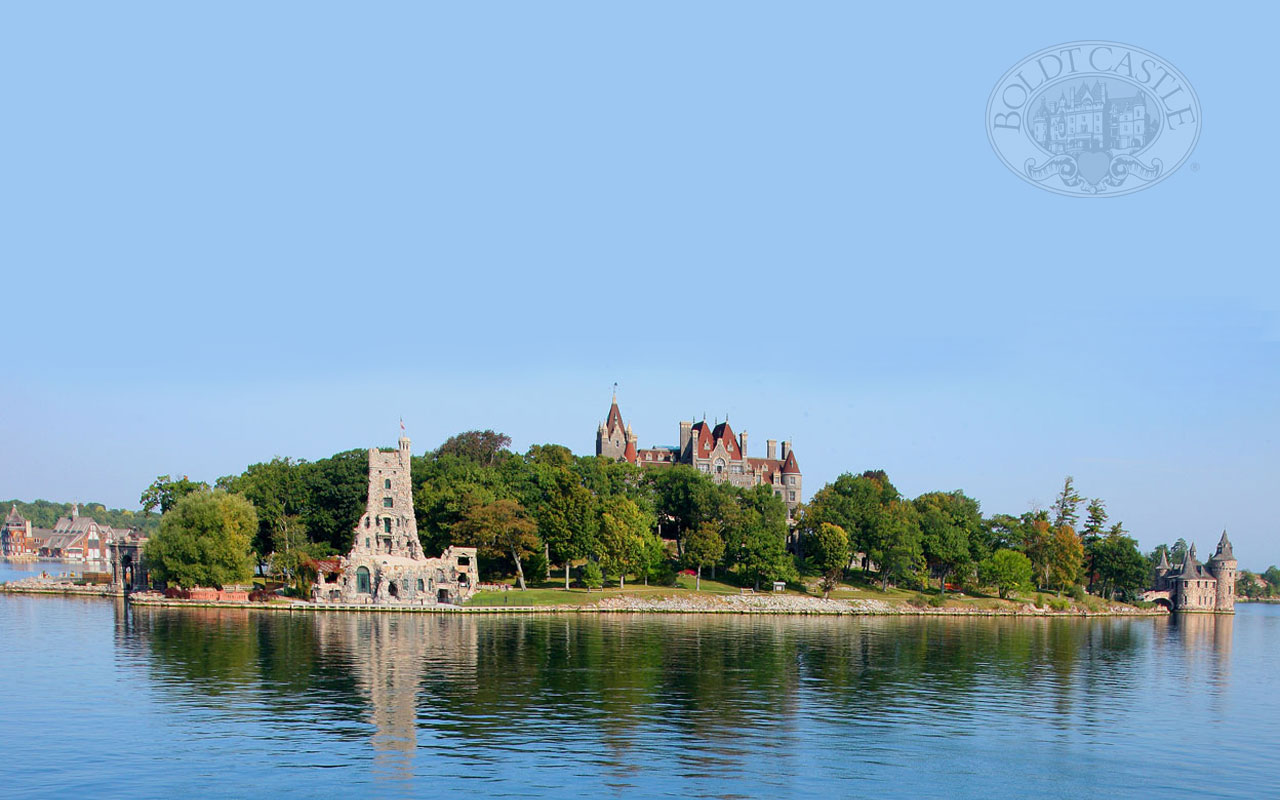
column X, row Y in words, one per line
column 712, row 450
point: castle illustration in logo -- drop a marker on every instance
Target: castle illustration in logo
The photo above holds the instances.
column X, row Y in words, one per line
column 1093, row 135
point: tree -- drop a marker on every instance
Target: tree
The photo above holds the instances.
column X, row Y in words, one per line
column 828, row 549
column 1065, row 508
column 947, row 521
column 592, row 576
column 204, row 541
column 166, row 492
column 897, row 549
column 857, row 503
column 624, row 530
column 1007, row 570
column 482, row 447
column 500, row 527
column 1096, row 521
column 681, row 495
column 1066, row 557
column 1118, row 564
column 703, row 547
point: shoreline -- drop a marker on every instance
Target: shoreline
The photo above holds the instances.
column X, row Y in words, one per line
column 711, row 604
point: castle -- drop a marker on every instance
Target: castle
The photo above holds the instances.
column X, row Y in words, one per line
column 714, row 451
column 1197, row 587
column 386, row 565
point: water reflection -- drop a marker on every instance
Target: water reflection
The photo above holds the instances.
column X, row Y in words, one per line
column 687, row 705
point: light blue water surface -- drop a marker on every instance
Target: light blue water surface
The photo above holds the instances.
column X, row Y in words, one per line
column 100, row 700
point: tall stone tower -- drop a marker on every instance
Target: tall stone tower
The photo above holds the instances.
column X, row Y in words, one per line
column 388, row 526
column 1223, row 567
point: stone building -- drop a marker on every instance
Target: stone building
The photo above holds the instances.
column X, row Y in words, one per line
column 714, row 450
column 386, row 565
column 128, row 562
column 1087, row 119
column 1197, row 587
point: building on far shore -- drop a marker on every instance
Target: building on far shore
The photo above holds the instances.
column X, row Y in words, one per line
column 386, row 565
column 1197, row 587
column 17, row 539
column 714, row 451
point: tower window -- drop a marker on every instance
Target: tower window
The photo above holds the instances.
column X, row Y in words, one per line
column 386, row 483
column 387, row 523
column 387, row 502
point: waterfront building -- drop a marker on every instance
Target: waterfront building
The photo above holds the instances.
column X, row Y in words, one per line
column 76, row 538
column 128, row 562
column 1197, row 587
column 386, row 564
column 713, row 450
column 17, row 538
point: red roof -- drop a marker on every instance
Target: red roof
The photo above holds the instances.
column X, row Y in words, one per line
column 323, row 565
column 614, row 418
column 790, row 466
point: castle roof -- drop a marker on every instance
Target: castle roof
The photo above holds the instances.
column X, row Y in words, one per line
column 1224, row 550
column 614, row 419
column 790, row 466
column 14, row 518
column 1164, row 560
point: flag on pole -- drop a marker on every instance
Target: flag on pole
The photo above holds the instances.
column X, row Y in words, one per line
column 402, row 424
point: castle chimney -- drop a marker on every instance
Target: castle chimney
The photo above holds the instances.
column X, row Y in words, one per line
column 772, row 448
column 786, row 448
column 686, row 431
column 742, row 444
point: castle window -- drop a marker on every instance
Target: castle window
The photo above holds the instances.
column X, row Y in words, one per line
column 791, row 496
column 386, row 484
column 419, row 584
column 719, row 465
column 366, row 541
column 387, row 523
column 791, row 479
column 387, row 502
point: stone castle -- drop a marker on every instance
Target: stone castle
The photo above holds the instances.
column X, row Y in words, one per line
column 386, row 565
column 712, row 450
column 1197, row 587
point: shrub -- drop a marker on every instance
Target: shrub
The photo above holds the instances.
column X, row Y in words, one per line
column 938, row 601
column 261, row 596
column 592, row 576
column 177, row 592
column 1060, row 604
column 1040, row 601
column 1077, row 594
column 918, row 600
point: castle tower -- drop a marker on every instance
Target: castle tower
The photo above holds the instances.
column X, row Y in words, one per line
column 1223, row 566
column 1162, row 571
column 613, row 436
column 388, row 526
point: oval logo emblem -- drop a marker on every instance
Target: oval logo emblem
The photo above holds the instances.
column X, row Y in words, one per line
column 1093, row 119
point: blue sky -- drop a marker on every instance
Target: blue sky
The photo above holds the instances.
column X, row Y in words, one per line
column 240, row 230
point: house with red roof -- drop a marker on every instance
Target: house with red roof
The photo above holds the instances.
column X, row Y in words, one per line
column 714, row 450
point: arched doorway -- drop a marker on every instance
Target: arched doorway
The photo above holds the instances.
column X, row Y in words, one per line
column 362, row 581
column 442, row 596
column 1163, row 603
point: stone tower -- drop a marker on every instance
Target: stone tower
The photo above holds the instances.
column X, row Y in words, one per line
column 1223, row 567
column 388, row 526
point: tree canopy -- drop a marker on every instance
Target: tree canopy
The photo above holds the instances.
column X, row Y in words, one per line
column 204, row 540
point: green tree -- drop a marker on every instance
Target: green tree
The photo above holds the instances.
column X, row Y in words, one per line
column 857, row 503
column 703, row 547
column 1066, row 506
column 164, row 492
column 897, row 548
column 501, row 527
column 592, row 576
column 947, row 521
column 624, row 533
column 1118, row 564
column 681, row 495
column 828, row 549
column 204, row 540
column 1006, row 570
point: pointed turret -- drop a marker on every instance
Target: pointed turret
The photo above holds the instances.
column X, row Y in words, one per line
column 1224, row 550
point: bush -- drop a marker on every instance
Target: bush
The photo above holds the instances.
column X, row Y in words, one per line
column 1060, row 604
column 261, row 596
column 1077, row 594
column 918, row 600
column 938, row 600
column 535, row 567
column 177, row 593
column 1039, row 602
column 663, row 573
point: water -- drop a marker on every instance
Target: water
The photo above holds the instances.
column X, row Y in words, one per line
column 100, row 700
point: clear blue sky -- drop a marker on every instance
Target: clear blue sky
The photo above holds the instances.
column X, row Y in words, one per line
column 235, row 230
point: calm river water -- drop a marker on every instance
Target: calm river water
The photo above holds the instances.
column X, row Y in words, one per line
column 98, row 700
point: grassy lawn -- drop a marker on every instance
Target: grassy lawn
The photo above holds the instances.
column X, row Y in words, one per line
column 548, row 596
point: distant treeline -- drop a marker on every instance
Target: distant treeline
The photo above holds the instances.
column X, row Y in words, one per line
column 45, row 514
